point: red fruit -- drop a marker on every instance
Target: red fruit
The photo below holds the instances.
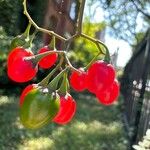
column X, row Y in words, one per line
column 78, row 80
column 19, row 69
column 110, row 95
column 100, row 76
column 67, row 109
column 15, row 53
column 25, row 92
column 48, row 60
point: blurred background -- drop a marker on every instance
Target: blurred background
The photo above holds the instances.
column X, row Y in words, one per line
column 124, row 27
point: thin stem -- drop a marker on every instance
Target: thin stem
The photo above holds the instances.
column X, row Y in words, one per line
column 81, row 17
column 37, row 27
column 70, row 65
column 32, row 37
column 97, row 42
column 45, row 81
column 92, row 61
column 54, row 83
column 27, row 31
column 37, row 57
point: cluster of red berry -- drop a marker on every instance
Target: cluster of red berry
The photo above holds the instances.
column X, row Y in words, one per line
column 99, row 79
column 40, row 104
column 22, row 68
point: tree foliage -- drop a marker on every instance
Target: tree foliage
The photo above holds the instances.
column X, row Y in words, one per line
column 125, row 16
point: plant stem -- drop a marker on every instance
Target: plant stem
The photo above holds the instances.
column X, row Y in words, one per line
column 36, row 58
column 92, row 61
column 70, row 65
column 54, row 83
column 37, row 27
column 27, row 31
column 78, row 34
column 81, row 17
column 45, row 81
column 97, row 42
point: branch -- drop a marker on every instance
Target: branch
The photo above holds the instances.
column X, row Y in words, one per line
column 81, row 17
column 37, row 27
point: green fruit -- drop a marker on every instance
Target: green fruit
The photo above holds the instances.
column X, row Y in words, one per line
column 39, row 108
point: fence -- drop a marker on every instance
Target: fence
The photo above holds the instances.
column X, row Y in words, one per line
column 135, row 85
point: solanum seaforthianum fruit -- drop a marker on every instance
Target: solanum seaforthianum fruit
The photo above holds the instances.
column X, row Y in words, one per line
column 39, row 108
column 67, row 109
column 48, row 60
column 78, row 80
column 100, row 76
column 110, row 95
column 20, row 69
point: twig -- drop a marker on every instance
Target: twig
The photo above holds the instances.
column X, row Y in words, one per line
column 81, row 17
column 39, row 28
column 97, row 42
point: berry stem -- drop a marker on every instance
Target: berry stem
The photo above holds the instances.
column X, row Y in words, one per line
column 52, row 43
column 107, row 56
column 38, row 57
column 32, row 37
column 54, row 83
column 45, row 81
column 91, row 62
column 97, row 42
column 64, row 85
column 27, row 31
column 70, row 65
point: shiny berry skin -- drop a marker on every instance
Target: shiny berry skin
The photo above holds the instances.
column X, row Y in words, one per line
column 78, row 80
column 49, row 60
column 19, row 69
column 100, row 76
column 15, row 53
column 67, row 110
column 110, row 95
column 39, row 108
column 25, row 92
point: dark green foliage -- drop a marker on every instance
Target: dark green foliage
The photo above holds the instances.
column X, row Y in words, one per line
column 12, row 18
column 4, row 49
column 9, row 15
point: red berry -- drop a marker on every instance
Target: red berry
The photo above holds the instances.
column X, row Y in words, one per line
column 78, row 80
column 49, row 60
column 100, row 75
column 15, row 53
column 19, row 69
column 67, row 109
column 110, row 95
column 25, row 92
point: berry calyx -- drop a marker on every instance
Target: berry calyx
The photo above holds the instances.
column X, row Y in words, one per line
column 67, row 110
column 100, row 76
column 20, row 69
column 48, row 60
column 109, row 96
column 78, row 80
